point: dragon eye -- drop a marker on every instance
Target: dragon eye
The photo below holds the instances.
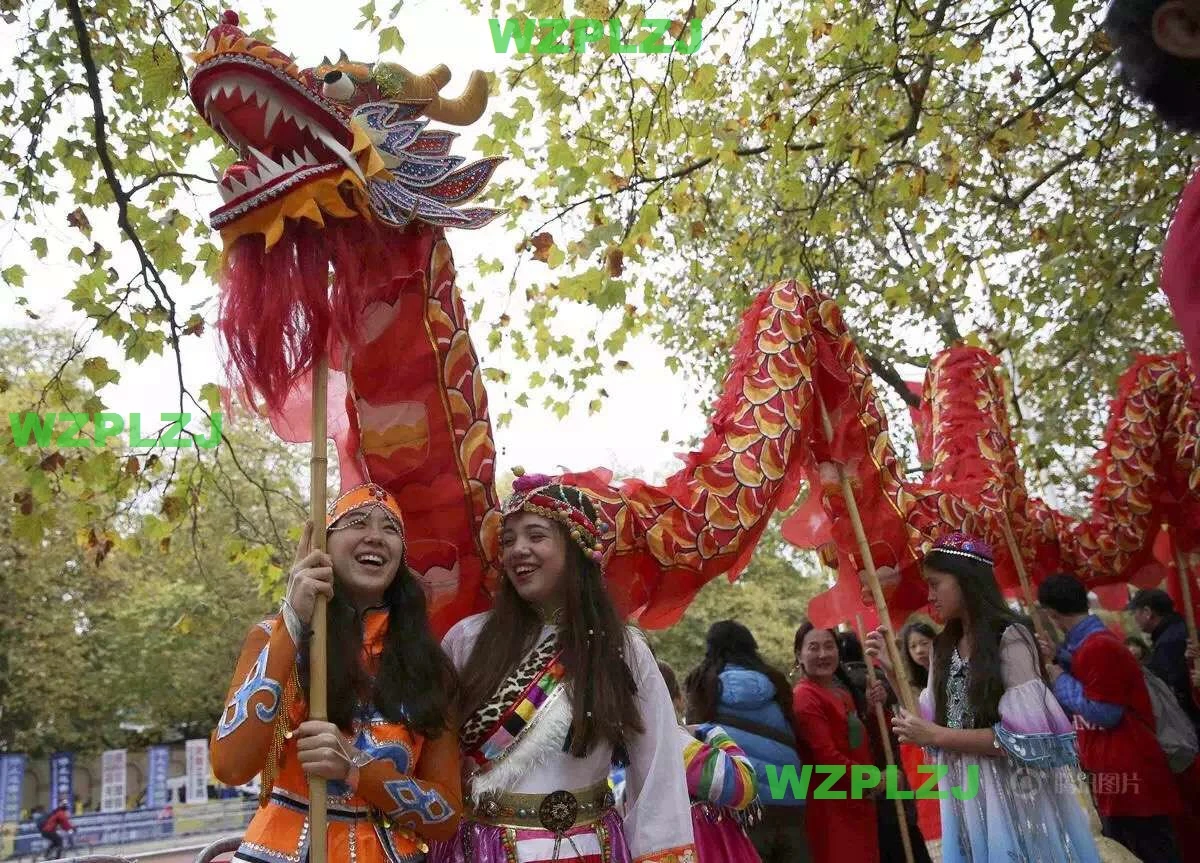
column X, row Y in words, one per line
column 338, row 85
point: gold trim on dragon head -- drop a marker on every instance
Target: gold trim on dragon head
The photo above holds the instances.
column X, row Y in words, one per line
column 344, row 139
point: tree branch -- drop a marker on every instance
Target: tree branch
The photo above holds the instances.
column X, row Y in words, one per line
column 120, row 196
column 1015, row 201
column 162, row 175
column 887, row 373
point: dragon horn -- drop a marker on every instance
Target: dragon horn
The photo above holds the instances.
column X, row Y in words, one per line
column 400, row 83
column 342, row 58
column 325, row 61
column 464, row 110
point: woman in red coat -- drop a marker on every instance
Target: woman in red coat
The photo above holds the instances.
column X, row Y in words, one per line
column 831, row 732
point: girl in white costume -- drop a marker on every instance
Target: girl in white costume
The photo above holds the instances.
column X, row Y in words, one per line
column 555, row 689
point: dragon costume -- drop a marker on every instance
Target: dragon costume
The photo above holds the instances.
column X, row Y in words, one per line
column 1148, row 479
column 338, row 174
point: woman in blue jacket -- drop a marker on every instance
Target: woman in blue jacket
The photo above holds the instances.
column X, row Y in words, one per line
column 736, row 689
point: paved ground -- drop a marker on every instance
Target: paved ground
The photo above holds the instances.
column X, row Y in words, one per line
column 176, row 849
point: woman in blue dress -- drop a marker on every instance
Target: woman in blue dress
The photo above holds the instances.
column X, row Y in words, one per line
column 1006, row 745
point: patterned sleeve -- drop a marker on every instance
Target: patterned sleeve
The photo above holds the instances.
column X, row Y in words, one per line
column 427, row 801
column 658, row 819
column 242, row 740
column 718, row 770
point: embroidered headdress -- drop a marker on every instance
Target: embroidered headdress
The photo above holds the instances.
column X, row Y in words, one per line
column 571, row 507
column 363, row 497
column 962, row 545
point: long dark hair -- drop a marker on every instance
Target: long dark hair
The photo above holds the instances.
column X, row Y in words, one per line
column 1167, row 82
column 593, row 640
column 729, row 643
column 990, row 615
column 415, row 682
column 860, row 697
column 917, row 675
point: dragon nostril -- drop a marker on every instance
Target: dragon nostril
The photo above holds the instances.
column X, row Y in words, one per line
column 332, row 77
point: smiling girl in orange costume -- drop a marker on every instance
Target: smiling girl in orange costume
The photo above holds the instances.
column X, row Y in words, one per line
column 388, row 752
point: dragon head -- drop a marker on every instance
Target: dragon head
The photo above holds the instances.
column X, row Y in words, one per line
column 343, row 139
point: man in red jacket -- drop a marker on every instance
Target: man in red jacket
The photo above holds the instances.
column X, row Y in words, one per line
column 58, row 820
column 1100, row 684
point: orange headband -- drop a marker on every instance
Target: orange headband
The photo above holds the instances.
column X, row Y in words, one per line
column 363, row 496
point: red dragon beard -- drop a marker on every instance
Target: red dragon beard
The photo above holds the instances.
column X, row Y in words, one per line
column 284, row 307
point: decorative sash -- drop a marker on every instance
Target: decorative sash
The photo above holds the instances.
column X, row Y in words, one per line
column 492, row 729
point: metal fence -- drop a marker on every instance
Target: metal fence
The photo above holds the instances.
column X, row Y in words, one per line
column 142, row 825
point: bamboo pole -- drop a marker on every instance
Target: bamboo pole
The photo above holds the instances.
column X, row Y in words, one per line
column 1185, row 588
column 868, row 560
column 318, row 707
column 1026, row 585
column 886, row 737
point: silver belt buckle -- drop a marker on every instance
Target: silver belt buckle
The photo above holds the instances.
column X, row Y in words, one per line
column 559, row 811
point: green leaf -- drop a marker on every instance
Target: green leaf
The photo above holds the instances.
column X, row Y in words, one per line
column 582, row 286
column 390, row 40
column 1062, row 14
column 210, row 394
column 157, row 72
column 97, row 371
column 14, row 275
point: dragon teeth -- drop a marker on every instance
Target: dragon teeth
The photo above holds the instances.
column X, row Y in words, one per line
column 338, row 150
column 236, row 187
column 270, row 116
column 267, row 167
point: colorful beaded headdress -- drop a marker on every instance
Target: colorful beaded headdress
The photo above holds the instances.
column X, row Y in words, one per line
column 962, row 545
column 566, row 504
column 362, row 497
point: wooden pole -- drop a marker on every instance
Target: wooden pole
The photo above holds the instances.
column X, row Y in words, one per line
column 1185, row 587
column 864, row 549
column 1026, row 585
column 318, row 706
column 886, row 737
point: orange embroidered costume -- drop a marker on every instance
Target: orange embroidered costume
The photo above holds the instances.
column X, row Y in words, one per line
column 402, row 790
